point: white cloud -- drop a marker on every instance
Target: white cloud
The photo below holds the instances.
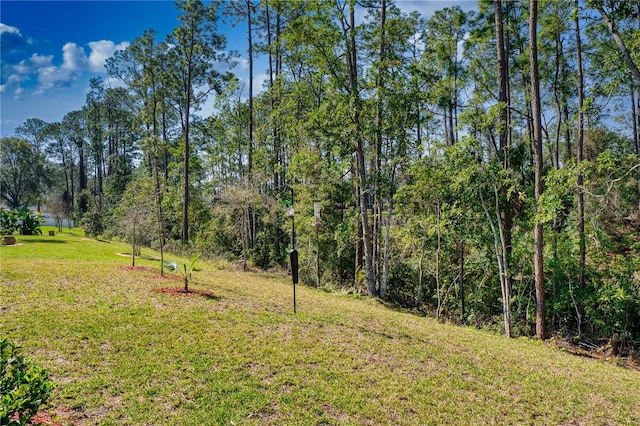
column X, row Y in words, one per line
column 46, row 74
column 51, row 77
column 101, row 51
column 13, row 83
column 11, row 80
column 21, row 68
column 4, row 28
column 41, row 60
column 73, row 57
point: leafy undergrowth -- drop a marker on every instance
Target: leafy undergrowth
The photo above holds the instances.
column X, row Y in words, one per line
column 123, row 352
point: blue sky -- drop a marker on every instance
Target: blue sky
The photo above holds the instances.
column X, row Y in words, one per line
column 50, row 49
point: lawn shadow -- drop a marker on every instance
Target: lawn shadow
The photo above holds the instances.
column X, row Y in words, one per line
column 210, row 296
column 40, row 240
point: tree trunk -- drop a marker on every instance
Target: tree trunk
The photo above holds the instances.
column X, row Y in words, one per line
column 361, row 164
column 580, row 157
column 186, row 126
column 498, row 249
column 538, row 259
column 502, row 80
column 556, row 98
column 250, row 100
column 384, row 282
column 505, row 207
column 461, row 280
column 635, row 117
column 438, row 289
column 378, row 259
column 359, row 249
column 159, row 211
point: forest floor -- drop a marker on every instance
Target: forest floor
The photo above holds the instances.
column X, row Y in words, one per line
column 127, row 346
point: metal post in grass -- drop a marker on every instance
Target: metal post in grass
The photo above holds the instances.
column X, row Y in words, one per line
column 293, row 253
column 317, row 207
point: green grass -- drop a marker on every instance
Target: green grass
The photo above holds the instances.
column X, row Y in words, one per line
column 123, row 353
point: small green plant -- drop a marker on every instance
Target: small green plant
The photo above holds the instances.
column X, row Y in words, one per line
column 23, row 386
column 184, row 270
column 8, row 221
column 30, row 222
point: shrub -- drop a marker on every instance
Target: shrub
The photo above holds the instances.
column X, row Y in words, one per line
column 30, row 222
column 23, row 386
column 8, row 221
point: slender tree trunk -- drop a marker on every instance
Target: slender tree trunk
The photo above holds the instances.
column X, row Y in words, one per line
column 165, row 139
column 556, row 98
column 185, row 201
column 461, row 281
column 438, row 289
column 133, row 245
column 452, row 134
column 502, row 81
column 367, row 244
column 567, row 129
column 250, row 100
column 538, row 259
column 377, row 163
column 498, row 248
column 155, row 161
column 506, row 277
column 274, row 69
column 635, row 117
column 72, row 167
column 505, row 219
column 82, row 166
column 361, row 164
column 580, row 157
column 384, row 282
column 359, row 251
column 159, row 210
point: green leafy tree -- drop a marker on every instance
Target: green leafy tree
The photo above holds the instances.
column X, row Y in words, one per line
column 196, row 49
column 19, row 165
column 33, row 129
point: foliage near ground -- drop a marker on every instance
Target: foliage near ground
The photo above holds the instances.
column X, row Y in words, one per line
column 23, row 385
column 233, row 352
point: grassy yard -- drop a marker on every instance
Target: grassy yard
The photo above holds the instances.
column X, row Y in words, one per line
column 123, row 353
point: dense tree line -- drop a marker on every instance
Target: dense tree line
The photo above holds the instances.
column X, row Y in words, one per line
column 480, row 166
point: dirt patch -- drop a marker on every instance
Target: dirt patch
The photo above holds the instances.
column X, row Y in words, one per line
column 41, row 418
column 176, row 291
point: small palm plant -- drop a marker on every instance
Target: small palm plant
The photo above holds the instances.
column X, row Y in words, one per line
column 184, row 270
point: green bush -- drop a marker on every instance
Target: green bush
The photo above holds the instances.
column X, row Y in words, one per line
column 8, row 221
column 30, row 222
column 23, row 387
